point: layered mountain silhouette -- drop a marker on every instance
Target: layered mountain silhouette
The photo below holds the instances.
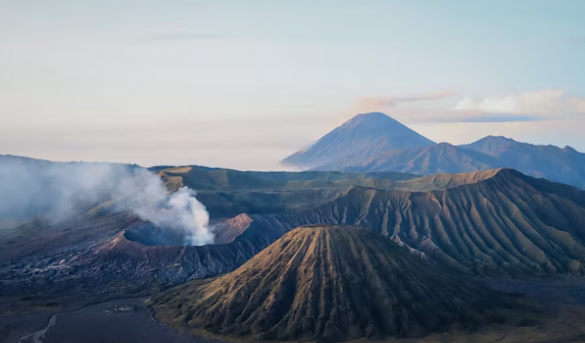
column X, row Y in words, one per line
column 438, row 158
column 547, row 161
column 497, row 222
column 330, row 284
column 394, row 147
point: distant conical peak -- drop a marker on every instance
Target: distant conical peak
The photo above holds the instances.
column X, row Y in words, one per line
column 363, row 136
column 499, row 138
column 373, row 115
column 372, row 119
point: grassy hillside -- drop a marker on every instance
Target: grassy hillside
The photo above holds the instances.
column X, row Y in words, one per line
column 220, row 179
column 228, row 192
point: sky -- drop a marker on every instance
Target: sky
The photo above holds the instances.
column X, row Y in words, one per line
column 243, row 84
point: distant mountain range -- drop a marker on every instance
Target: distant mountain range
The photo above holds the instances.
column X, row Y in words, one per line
column 374, row 142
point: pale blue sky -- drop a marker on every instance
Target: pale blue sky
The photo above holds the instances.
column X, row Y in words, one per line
column 244, row 83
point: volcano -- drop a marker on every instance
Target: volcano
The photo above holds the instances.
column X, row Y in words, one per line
column 329, row 283
column 224, row 230
column 363, row 137
column 375, row 142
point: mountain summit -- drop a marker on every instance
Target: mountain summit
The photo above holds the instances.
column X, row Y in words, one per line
column 365, row 135
column 327, row 283
column 374, row 142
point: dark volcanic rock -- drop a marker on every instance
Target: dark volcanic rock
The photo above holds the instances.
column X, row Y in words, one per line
column 113, row 266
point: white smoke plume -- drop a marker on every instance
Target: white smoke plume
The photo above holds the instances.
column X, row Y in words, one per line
column 57, row 191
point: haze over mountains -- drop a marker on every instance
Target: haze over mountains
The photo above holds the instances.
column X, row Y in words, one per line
column 394, row 147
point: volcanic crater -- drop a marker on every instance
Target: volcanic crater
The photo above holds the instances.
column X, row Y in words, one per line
column 224, row 230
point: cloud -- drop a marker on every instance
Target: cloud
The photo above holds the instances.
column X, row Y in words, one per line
column 497, row 118
column 182, row 36
column 393, row 101
column 578, row 104
column 542, row 105
column 543, row 102
column 466, row 110
column 462, row 116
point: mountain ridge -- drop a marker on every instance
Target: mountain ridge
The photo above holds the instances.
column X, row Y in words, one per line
column 565, row 165
column 504, row 224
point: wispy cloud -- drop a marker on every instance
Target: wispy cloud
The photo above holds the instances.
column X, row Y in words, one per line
column 541, row 105
column 393, row 101
column 461, row 116
column 578, row 104
column 544, row 102
column 182, row 36
column 495, row 118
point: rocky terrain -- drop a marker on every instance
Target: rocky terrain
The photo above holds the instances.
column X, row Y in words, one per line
column 103, row 254
column 505, row 223
column 103, row 268
column 331, row 284
column 495, row 224
column 492, row 223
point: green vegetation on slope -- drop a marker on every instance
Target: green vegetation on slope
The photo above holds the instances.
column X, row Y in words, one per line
column 228, row 192
column 219, row 179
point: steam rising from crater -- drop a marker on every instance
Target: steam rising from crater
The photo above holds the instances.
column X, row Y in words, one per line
column 58, row 191
column 181, row 211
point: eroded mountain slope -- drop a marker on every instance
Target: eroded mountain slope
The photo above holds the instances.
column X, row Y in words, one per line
column 330, row 283
column 507, row 224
